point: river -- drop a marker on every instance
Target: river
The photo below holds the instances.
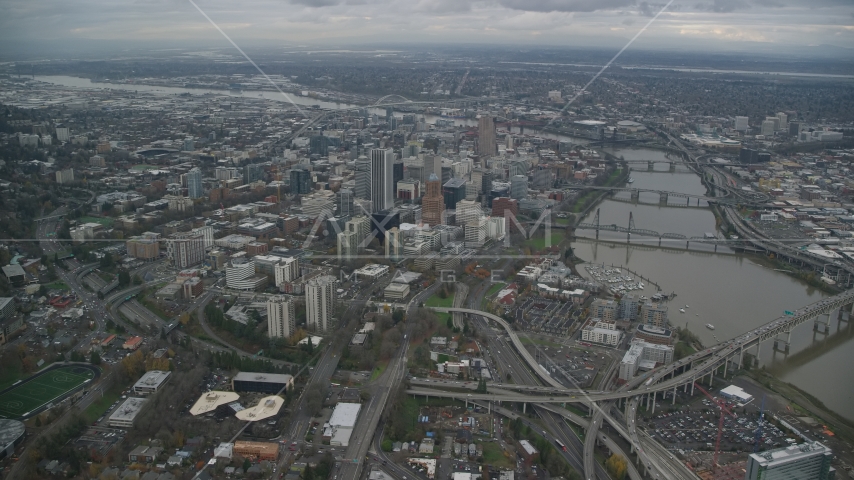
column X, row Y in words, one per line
column 78, row 82
column 732, row 292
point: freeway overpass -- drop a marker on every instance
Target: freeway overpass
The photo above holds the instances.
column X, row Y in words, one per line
column 686, row 371
column 681, row 373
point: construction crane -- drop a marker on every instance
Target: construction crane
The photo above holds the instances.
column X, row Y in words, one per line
column 758, row 437
column 724, row 411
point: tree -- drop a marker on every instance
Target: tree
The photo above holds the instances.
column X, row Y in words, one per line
column 617, row 467
column 137, row 280
column 94, row 358
column 100, row 295
column 124, row 278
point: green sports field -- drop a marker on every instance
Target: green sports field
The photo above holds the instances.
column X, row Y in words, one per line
column 21, row 400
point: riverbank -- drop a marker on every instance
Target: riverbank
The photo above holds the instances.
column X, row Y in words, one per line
column 802, row 403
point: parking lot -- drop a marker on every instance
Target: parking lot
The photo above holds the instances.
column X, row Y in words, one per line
column 697, row 429
column 581, row 365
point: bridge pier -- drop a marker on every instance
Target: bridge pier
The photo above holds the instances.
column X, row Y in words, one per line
column 650, row 166
column 692, row 387
column 674, row 396
column 635, row 196
column 653, row 402
column 672, row 167
column 786, row 343
column 662, row 198
column 825, row 325
column 524, row 406
column 726, row 361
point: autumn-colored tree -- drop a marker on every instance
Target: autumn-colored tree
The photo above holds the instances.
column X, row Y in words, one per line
column 133, row 365
column 617, row 466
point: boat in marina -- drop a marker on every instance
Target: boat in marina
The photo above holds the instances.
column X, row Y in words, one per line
column 681, row 310
column 710, row 326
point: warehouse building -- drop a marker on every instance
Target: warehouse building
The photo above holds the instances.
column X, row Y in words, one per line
column 261, row 382
column 340, row 426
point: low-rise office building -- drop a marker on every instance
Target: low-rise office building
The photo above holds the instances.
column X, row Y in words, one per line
column 261, row 382
column 808, row 460
column 151, row 382
column 257, row 450
column 124, row 416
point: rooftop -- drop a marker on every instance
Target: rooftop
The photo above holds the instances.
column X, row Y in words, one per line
column 152, row 379
column 345, row 415
column 263, row 377
column 266, row 408
column 128, row 410
column 210, row 400
column 789, row 454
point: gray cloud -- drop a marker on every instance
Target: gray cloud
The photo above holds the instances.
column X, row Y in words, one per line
column 723, row 6
column 564, row 5
column 770, row 3
column 532, row 22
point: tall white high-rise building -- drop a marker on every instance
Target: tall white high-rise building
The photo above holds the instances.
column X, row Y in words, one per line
column 320, row 303
column 393, row 244
column 62, row 134
column 382, row 182
column 767, row 128
column 281, row 319
column 286, row 271
column 194, row 183
column 741, row 124
column 476, row 232
column 186, row 249
column 784, row 121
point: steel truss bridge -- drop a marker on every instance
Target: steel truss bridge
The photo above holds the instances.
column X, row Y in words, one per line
column 631, row 229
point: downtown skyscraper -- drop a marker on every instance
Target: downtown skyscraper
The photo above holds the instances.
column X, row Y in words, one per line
column 433, row 203
column 194, row 183
column 382, row 180
column 486, row 145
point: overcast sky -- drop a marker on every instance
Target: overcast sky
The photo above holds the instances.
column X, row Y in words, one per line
column 701, row 24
